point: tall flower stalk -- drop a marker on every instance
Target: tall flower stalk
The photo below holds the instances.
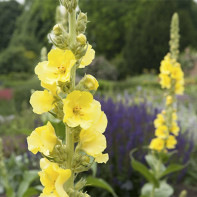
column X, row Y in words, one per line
column 166, row 127
column 71, row 103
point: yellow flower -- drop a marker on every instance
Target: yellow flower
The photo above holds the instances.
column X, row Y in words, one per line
column 169, row 100
column 42, row 101
column 175, row 129
column 171, row 142
column 177, row 73
column 42, row 139
column 159, row 121
column 53, row 179
column 57, row 68
column 88, row 57
column 165, row 81
column 102, row 158
column 93, row 143
column 174, row 116
column 53, row 88
column 157, row 144
column 179, row 87
column 90, row 82
column 162, row 131
column 81, row 109
column 101, row 124
column 166, row 66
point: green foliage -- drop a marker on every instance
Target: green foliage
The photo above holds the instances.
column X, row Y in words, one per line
column 9, row 11
column 148, row 38
column 96, row 182
column 165, row 190
column 142, row 169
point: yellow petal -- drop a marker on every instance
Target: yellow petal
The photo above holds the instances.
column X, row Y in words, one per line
column 42, row 101
column 92, row 142
column 89, row 56
column 102, row 158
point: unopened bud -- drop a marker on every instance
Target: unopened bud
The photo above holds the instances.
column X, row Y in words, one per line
column 57, row 30
column 169, row 100
column 90, row 82
column 81, row 38
column 81, row 23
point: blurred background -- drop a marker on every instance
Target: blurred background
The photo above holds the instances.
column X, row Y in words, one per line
column 130, row 38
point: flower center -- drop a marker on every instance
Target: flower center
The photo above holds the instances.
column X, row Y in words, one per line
column 62, row 69
column 77, row 111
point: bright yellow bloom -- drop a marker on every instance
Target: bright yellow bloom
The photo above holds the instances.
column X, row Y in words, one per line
column 165, row 81
column 162, row 131
column 175, row 129
column 53, row 179
column 177, row 73
column 102, row 158
column 171, row 142
column 101, row 124
column 42, row 139
column 179, row 87
column 90, row 82
column 166, row 66
column 53, row 88
column 81, row 109
column 93, row 143
column 174, row 116
column 42, row 101
column 169, row 100
column 157, row 144
column 57, row 68
column 159, row 121
column 88, row 57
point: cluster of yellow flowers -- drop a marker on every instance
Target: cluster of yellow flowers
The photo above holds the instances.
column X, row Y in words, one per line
column 75, row 106
column 171, row 78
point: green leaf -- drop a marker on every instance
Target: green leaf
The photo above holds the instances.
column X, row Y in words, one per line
column 95, row 182
column 153, row 162
column 165, row 190
column 172, row 168
column 141, row 168
column 31, row 192
column 94, row 169
column 28, row 178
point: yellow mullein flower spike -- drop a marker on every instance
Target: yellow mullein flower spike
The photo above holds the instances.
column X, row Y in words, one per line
column 92, row 142
column 159, row 121
column 42, row 139
column 89, row 56
column 81, row 109
column 53, row 178
column 57, row 68
column 157, row 144
column 175, row 129
column 42, row 101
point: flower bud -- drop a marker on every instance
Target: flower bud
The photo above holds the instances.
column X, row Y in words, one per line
column 81, row 38
column 81, row 23
column 70, row 5
column 169, row 100
column 90, row 82
column 57, row 30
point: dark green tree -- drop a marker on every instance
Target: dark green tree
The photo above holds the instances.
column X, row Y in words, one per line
column 9, row 11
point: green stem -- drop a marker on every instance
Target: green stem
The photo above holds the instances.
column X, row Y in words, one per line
column 69, row 133
column 70, row 146
column 153, row 191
